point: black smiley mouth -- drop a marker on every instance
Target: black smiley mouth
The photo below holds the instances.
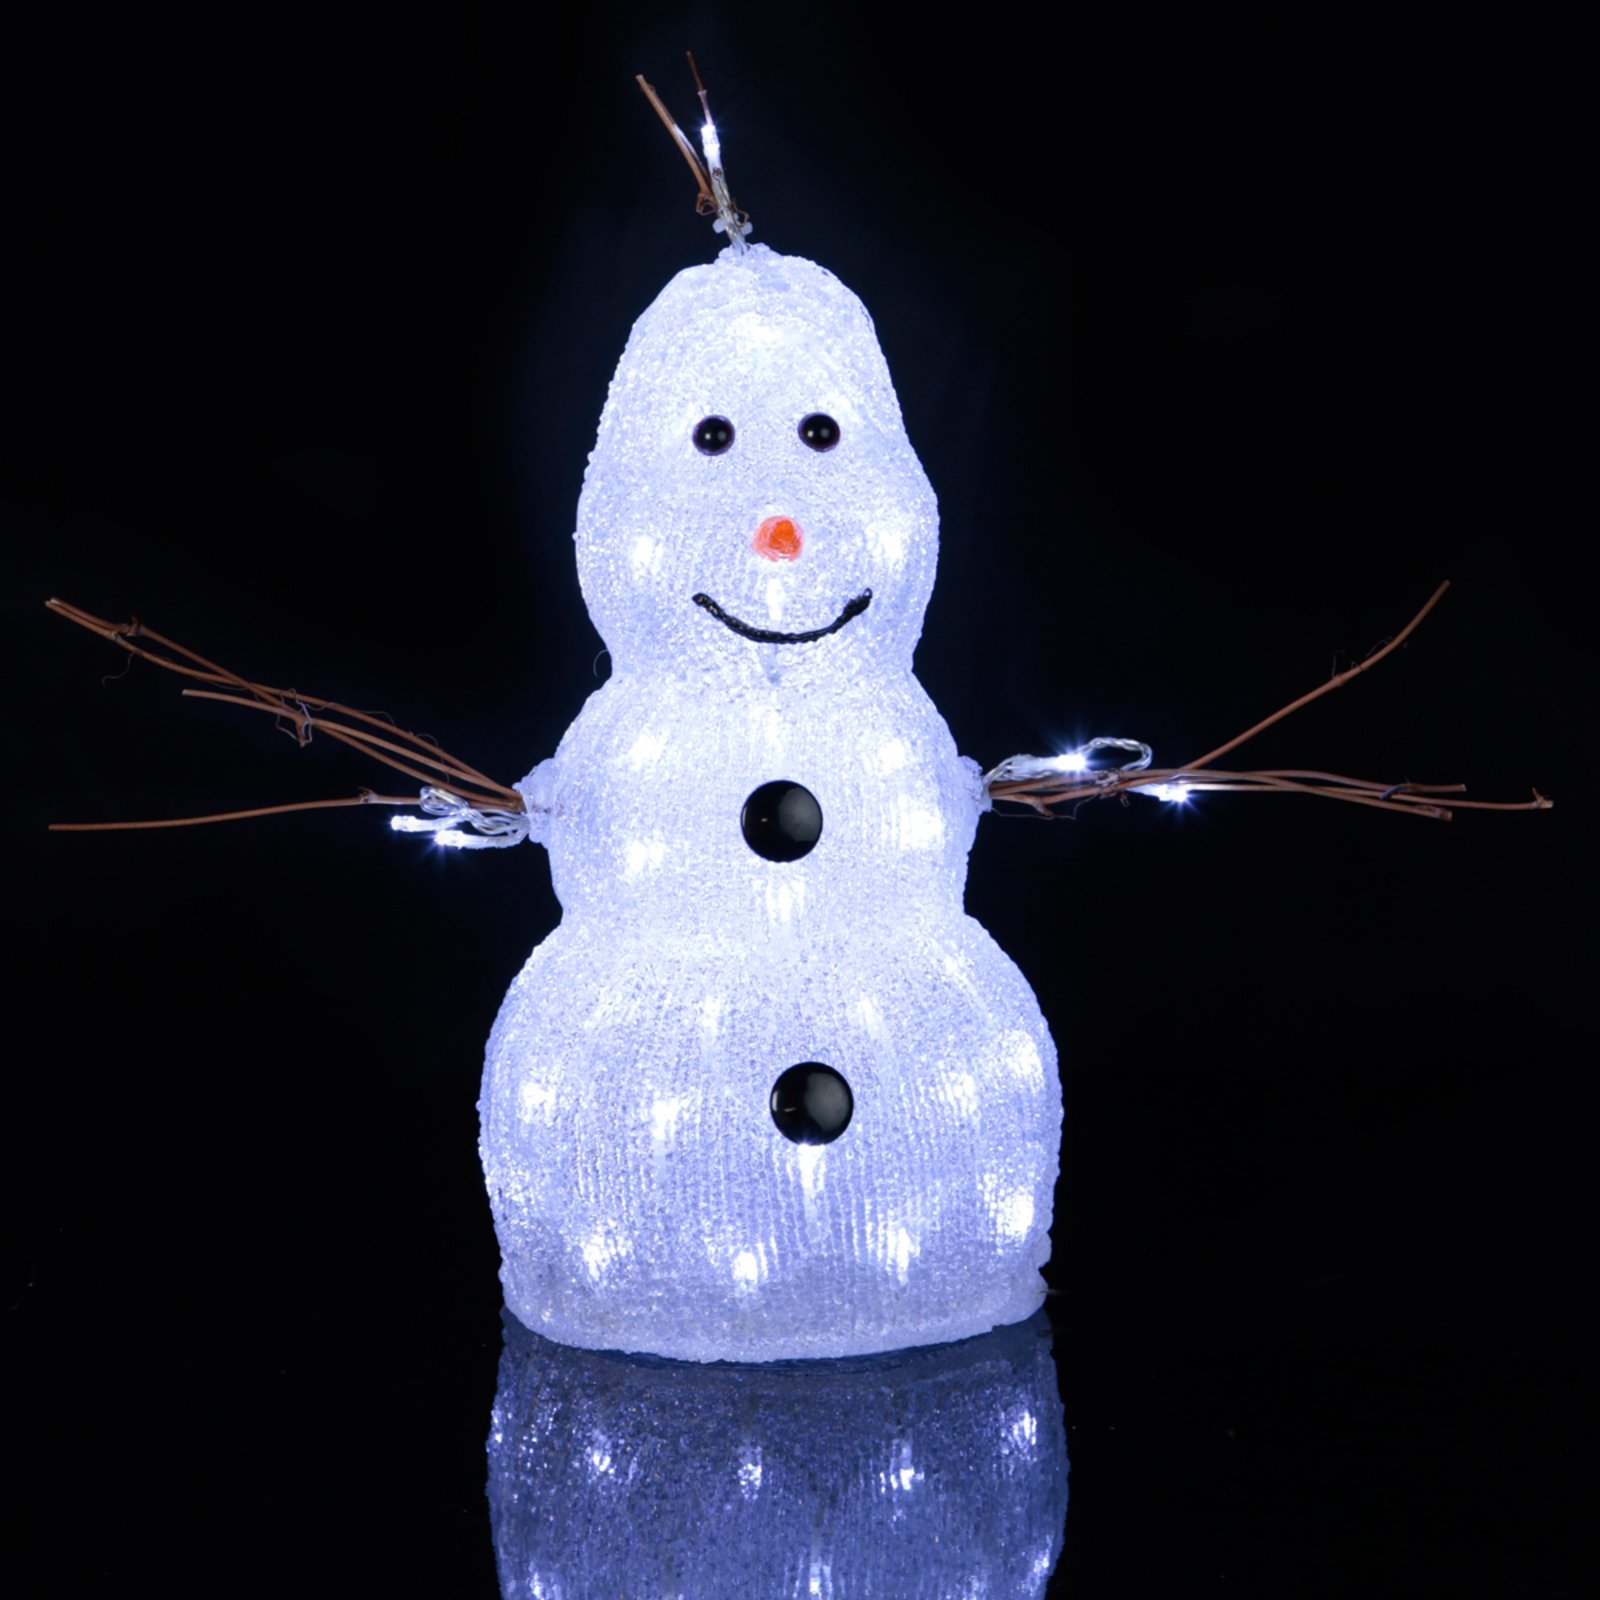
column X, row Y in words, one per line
column 852, row 608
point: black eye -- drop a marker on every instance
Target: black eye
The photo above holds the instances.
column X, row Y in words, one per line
column 712, row 435
column 819, row 431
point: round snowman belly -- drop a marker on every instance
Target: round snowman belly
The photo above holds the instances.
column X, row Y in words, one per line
column 664, row 811
column 646, row 1197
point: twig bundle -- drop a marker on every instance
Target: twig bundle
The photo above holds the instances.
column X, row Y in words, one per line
column 301, row 715
column 1045, row 786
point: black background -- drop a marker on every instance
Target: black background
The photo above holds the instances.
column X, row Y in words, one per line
column 1222, row 344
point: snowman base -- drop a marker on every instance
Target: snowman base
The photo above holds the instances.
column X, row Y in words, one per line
column 784, row 1333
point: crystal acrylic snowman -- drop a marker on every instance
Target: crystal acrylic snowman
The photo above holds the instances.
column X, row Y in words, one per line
column 766, row 1092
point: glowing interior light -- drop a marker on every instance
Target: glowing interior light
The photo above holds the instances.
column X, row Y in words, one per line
column 534, row 1098
column 599, row 1255
column 645, row 749
column 1016, row 1215
column 963, row 1093
column 903, row 1474
column 901, row 1248
column 1172, row 793
column 1020, row 1054
column 888, row 1237
column 662, row 1116
column 917, row 827
column 892, row 756
column 711, row 144
column 892, row 539
column 810, row 1159
column 643, row 554
column 643, row 854
column 1070, row 761
column 1024, row 1432
column 871, row 1017
column 782, row 899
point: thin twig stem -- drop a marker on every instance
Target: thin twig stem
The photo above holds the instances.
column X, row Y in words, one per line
column 395, row 747
column 371, row 743
column 1332, row 683
column 365, row 798
column 288, row 703
column 1043, row 796
column 680, row 139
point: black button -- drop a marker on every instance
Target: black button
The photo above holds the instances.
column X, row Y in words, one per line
column 781, row 821
column 811, row 1103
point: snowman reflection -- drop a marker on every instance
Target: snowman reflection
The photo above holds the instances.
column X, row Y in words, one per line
column 766, row 1092
column 938, row 1474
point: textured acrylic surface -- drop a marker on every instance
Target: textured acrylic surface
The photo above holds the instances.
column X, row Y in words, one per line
column 933, row 1475
column 643, row 1196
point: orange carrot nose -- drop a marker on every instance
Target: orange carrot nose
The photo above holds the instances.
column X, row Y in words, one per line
column 778, row 539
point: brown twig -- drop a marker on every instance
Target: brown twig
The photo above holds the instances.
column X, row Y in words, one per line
column 394, row 747
column 365, row 798
column 681, row 139
column 1045, row 791
column 493, row 795
column 1333, row 683
column 1045, row 796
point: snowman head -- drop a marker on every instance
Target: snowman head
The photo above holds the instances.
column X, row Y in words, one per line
column 752, row 506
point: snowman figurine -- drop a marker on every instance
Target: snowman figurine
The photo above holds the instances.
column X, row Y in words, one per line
column 766, row 1092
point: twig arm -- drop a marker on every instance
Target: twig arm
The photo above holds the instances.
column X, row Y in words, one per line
column 1043, row 784
column 451, row 789
column 365, row 798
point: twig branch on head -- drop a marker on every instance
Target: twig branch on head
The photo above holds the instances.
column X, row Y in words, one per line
column 715, row 196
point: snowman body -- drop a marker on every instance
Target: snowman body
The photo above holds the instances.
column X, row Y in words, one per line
column 756, row 543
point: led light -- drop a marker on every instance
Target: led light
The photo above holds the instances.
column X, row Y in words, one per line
column 711, row 144
column 1173, row 793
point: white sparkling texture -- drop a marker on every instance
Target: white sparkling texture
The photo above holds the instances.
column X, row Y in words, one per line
column 644, row 1196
